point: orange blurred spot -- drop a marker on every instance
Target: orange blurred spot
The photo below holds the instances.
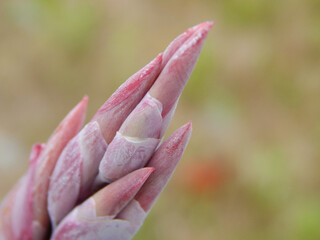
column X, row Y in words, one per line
column 204, row 177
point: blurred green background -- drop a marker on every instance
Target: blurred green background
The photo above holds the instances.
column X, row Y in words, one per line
column 251, row 170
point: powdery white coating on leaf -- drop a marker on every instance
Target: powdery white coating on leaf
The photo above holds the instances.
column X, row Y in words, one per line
column 87, row 211
column 133, row 213
column 164, row 161
column 125, row 154
column 134, row 143
column 85, row 223
column 75, row 171
column 114, row 197
column 99, row 229
column 65, row 182
column 93, row 147
column 116, row 109
column 167, row 119
column 145, row 121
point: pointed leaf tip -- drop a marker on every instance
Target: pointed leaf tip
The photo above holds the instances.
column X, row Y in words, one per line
column 179, row 58
column 111, row 199
column 187, row 126
column 165, row 161
column 204, row 25
column 116, row 109
column 182, row 38
column 85, row 98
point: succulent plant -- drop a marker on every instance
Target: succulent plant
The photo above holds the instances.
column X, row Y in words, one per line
column 100, row 182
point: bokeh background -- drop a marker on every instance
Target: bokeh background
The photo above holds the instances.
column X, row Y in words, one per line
column 251, row 170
